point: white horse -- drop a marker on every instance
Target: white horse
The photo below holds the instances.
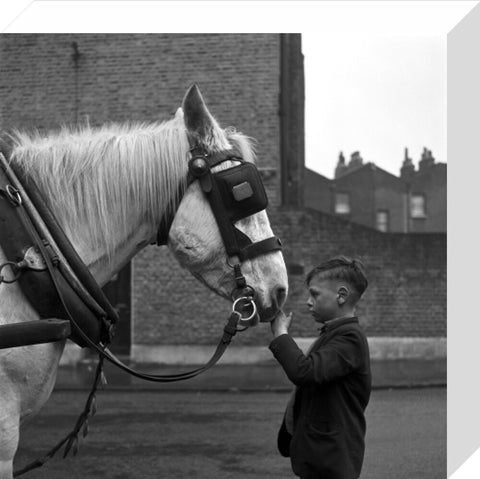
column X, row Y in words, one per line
column 109, row 187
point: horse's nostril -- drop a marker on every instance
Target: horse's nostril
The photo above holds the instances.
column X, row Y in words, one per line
column 279, row 296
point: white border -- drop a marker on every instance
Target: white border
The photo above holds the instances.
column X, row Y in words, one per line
column 381, row 18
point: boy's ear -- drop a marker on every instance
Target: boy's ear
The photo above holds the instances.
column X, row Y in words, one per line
column 342, row 295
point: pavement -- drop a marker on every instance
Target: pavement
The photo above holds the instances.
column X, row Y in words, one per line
column 399, row 373
column 157, row 434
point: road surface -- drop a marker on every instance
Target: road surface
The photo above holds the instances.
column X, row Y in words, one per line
column 229, row 435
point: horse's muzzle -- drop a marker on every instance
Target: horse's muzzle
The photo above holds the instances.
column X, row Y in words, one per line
column 278, row 297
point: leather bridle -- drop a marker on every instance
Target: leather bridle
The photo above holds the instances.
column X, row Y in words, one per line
column 233, row 194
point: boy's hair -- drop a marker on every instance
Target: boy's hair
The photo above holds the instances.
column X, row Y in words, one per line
column 343, row 269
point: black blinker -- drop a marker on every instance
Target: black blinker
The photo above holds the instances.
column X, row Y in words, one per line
column 233, row 194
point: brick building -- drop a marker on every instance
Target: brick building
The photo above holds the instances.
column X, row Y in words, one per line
column 426, row 194
column 414, row 202
column 254, row 82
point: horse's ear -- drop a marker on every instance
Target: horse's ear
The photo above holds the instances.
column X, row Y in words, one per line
column 198, row 120
column 179, row 114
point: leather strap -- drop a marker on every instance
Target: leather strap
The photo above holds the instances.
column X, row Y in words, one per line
column 18, row 233
column 212, row 160
column 69, row 301
column 228, row 332
column 65, row 246
column 260, row 248
column 91, row 316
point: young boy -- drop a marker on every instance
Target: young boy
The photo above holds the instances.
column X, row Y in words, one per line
column 323, row 431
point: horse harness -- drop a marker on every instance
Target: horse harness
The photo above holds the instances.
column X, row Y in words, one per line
column 52, row 264
column 233, row 194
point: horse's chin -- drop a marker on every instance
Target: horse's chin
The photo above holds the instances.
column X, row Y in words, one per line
column 267, row 315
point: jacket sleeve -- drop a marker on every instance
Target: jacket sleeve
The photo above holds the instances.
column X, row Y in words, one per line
column 339, row 357
column 297, row 366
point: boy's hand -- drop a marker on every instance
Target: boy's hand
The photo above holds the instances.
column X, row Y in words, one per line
column 281, row 324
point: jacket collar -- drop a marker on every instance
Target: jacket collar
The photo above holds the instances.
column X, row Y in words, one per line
column 335, row 323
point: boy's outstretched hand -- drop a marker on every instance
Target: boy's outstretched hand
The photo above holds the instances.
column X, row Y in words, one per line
column 281, row 323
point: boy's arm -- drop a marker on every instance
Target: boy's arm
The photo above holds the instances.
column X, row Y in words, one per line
column 297, row 366
column 342, row 355
column 345, row 353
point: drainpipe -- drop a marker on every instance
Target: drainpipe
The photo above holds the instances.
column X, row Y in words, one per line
column 292, row 120
column 76, row 59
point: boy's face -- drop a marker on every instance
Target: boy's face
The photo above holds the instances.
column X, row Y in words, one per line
column 323, row 299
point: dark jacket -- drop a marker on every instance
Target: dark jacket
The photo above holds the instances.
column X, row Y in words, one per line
column 333, row 388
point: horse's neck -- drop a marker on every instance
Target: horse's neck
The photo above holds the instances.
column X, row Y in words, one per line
column 98, row 262
column 105, row 262
column 136, row 198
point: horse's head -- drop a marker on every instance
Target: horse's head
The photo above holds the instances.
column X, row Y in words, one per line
column 209, row 249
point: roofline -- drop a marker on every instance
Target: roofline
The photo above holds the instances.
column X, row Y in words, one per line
column 369, row 164
column 317, row 173
column 377, row 168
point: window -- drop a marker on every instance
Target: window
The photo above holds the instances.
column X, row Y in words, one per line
column 417, row 206
column 342, row 204
column 382, row 220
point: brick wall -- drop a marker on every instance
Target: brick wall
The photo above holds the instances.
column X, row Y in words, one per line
column 143, row 77
column 406, row 295
column 407, row 273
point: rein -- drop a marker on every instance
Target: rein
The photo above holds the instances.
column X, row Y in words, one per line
column 52, row 262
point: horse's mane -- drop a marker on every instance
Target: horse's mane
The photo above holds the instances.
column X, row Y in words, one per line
column 100, row 178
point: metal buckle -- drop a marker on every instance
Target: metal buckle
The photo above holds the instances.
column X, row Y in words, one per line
column 34, row 259
column 13, row 195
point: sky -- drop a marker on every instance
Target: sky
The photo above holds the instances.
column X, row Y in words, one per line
column 374, row 94
column 376, row 82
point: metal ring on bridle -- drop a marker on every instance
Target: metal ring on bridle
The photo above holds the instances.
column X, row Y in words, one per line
column 15, row 269
column 14, row 195
column 248, row 300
